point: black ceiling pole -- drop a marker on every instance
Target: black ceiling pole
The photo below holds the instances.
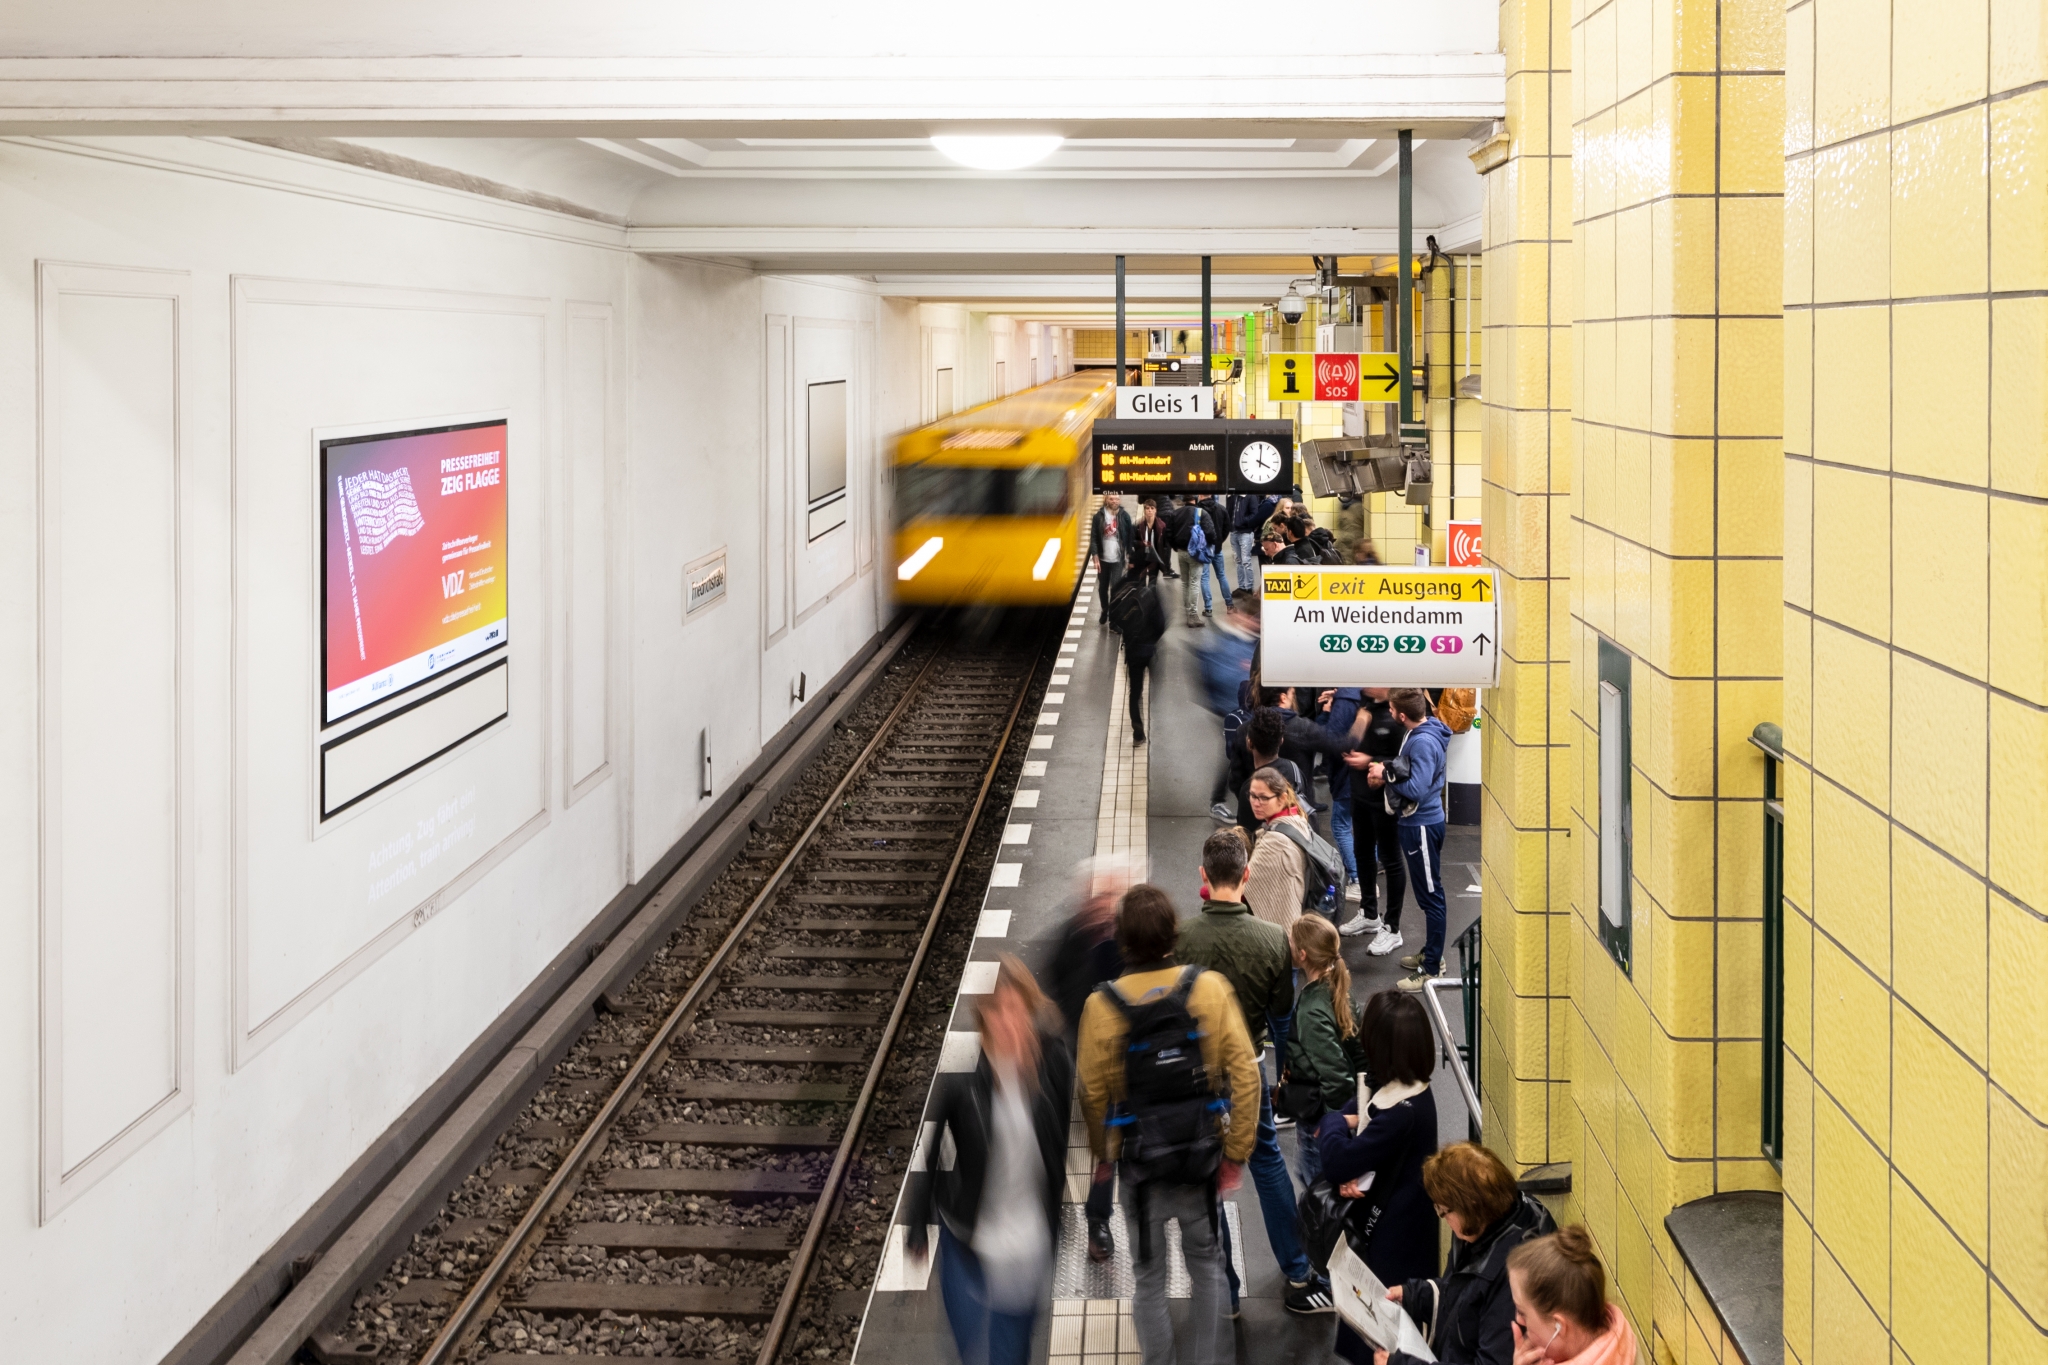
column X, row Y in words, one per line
column 1119, row 321
column 1205, row 320
column 1405, row 247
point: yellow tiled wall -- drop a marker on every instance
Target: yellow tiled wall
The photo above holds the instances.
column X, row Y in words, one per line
column 1916, row 650
column 1526, row 480
column 1677, row 128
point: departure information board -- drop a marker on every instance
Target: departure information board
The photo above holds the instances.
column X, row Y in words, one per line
column 1192, row 456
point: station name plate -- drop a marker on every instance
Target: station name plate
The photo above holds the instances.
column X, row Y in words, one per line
column 1134, row 403
column 1379, row 627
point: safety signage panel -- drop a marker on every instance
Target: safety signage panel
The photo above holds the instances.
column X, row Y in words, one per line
column 1333, row 377
column 1379, row 627
column 1461, row 540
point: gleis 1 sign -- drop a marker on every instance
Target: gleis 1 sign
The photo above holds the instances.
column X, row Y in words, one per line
column 1379, row 627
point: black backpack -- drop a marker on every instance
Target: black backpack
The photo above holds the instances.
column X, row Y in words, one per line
column 1168, row 1115
column 1126, row 609
column 1322, row 880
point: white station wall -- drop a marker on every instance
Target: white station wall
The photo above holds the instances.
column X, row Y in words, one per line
column 214, row 1001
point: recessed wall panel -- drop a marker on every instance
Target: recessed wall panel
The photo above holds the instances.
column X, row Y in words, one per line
column 587, row 383
column 114, row 942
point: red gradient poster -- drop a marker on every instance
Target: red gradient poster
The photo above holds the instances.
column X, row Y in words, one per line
column 415, row 558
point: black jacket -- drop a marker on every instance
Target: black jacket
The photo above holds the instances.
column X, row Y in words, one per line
column 1181, row 527
column 1466, row 1315
column 1394, row 1145
column 1141, row 632
column 1086, row 957
column 961, row 1107
column 1123, row 526
column 1152, row 540
column 1249, row 512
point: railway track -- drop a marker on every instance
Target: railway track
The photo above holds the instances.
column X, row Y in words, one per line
column 669, row 1190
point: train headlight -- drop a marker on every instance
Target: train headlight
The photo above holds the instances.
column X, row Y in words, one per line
column 1043, row 568
column 923, row 555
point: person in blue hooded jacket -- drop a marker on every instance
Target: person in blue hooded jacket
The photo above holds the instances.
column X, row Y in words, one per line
column 1412, row 784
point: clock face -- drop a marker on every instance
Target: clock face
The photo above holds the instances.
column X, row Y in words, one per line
column 1259, row 462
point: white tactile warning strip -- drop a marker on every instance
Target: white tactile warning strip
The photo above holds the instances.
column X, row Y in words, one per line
column 1126, row 783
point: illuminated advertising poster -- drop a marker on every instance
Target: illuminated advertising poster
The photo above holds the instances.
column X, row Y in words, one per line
column 414, row 527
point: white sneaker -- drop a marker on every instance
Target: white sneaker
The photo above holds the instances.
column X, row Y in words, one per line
column 1351, row 891
column 1384, row 942
column 1358, row 924
column 1220, row 813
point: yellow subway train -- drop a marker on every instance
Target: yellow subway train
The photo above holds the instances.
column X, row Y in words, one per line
column 990, row 502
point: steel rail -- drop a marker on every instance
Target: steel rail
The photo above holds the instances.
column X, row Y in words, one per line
column 800, row 1266
column 482, row 1299
column 1443, row 1026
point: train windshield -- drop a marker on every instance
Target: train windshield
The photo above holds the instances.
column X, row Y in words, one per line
column 928, row 492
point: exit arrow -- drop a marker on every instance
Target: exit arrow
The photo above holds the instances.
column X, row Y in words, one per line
column 1483, row 588
column 1480, row 640
column 1388, row 377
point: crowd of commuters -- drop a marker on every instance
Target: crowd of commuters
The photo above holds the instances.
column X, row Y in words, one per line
column 1158, row 1021
column 1156, row 1024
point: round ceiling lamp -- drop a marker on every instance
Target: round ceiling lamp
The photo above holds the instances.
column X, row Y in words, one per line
column 997, row 153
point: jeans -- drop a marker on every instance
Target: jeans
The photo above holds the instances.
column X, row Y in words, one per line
column 1340, row 834
column 1106, row 581
column 1246, row 545
column 983, row 1335
column 1222, row 586
column 1137, row 669
column 1276, row 1203
column 1423, row 848
column 1374, row 838
column 1192, row 571
column 1311, row 1154
column 1209, row 1339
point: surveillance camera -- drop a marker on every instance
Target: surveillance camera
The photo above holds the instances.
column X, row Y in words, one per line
column 1292, row 306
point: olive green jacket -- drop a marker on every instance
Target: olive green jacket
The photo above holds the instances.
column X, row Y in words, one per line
column 1251, row 954
column 1316, row 1052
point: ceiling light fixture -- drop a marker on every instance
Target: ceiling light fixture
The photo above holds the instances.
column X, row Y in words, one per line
column 997, row 153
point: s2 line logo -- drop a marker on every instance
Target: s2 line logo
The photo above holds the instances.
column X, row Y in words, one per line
column 451, row 583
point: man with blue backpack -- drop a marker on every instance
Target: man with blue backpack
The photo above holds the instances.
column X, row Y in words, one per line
column 1166, row 1069
column 1192, row 533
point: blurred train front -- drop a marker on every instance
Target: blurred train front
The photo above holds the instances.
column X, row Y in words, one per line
column 990, row 502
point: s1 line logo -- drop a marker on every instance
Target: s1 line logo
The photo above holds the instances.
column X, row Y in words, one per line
column 451, row 583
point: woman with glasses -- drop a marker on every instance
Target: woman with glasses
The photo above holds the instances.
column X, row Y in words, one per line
column 1467, row 1314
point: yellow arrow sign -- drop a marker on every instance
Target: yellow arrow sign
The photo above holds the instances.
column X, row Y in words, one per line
column 1333, row 377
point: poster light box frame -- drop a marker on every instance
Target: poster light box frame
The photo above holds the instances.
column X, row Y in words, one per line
column 370, row 750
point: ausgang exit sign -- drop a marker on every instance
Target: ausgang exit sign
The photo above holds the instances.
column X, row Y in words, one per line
column 1379, row 627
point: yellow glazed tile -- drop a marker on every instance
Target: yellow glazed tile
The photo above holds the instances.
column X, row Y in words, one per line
column 1796, row 244
column 2019, row 400
column 1938, row 56
column 1798, row 1285
column 2018, row 193
column 1682, row 263
column 1799, row 382
column 2019, row 44
column 1752, row 256
column 1799, row 80
column 1795, row 714
column 1943, row 977
column 1851, row 1015
column 1938, row 603
column 1753, row 134
column 1942, row 1317
column 1751, row 635
column 2019, row 599
column 1852, row 220
column 1852, row 1197
column 1752, row 35
column 1752, row 377
column 1938, row 735
column 1751, row 493
column 1681, row 493
column 1799, row 1102
column 1852, row 68
column 2014, row 1340
column 1938, row 213
column 1852, row 900
column 2019, row 1203
column 1852, row 386
column 2019, row 783
column 1845, row 1329
column 1943, row 440
column 1851, row 734
column 2019, row 1007
column 1938, row 1132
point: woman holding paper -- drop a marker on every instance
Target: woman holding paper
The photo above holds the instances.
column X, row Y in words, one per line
column 1467, row 1314
column 1375, row 1155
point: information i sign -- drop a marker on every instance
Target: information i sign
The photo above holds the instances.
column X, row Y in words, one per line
column 1379, row 627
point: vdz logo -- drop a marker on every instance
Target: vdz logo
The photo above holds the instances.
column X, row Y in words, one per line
column 451, row 583
column 1336, row 644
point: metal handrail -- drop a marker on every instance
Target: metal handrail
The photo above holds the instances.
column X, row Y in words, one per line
column 1443, row 1028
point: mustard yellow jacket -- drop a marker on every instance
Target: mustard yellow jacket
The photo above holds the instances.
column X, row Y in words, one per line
column 1226, row 1051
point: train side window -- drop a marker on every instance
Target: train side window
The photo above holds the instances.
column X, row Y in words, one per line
column 944, row 491
column 1041, row 491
